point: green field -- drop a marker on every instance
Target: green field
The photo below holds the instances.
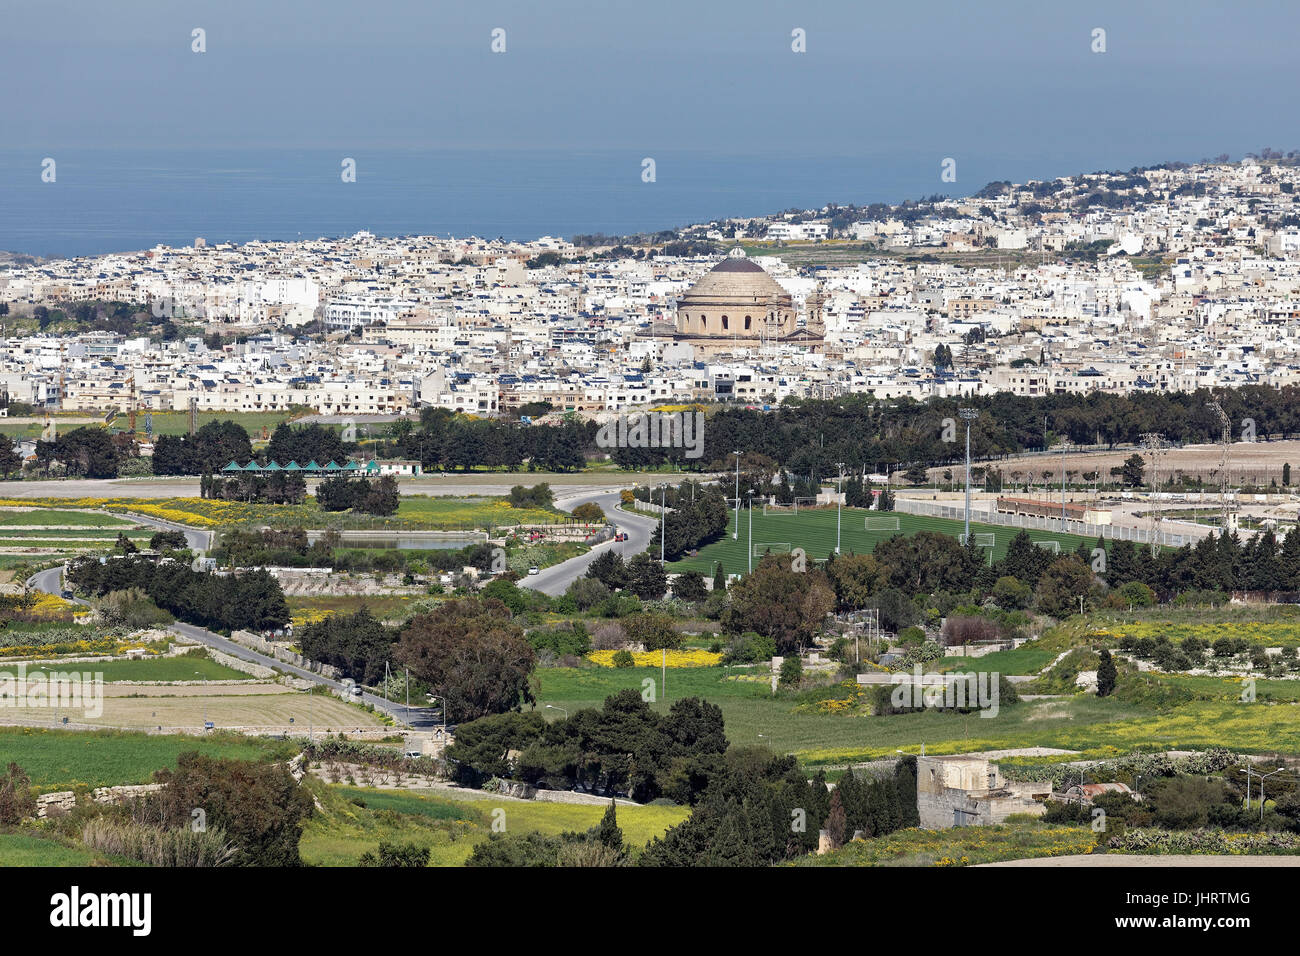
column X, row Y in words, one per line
column 753, row 716
column 152, row 668
column 21, row 849
column 62, row 519
column 961, row 846
column 814, row 531
column 62, row 759
column 451, row 826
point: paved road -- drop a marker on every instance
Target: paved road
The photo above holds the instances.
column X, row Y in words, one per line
column 418, row 718
column 557, row 578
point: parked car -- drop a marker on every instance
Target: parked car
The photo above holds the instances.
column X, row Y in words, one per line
column 534, row 570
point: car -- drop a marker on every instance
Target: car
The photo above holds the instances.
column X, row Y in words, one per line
column 534, row 570
column 356, row 690
column 66, row 594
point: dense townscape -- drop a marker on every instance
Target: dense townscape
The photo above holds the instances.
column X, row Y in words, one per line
column 1163, row 279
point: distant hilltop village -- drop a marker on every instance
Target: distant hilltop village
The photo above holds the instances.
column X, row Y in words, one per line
column 1164, row 279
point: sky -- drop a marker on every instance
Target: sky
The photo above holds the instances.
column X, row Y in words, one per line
column 1178, row 80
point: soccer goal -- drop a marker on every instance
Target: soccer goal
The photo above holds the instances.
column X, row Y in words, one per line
column 805, row 503
column 1052, row 546
column 883, row 523
column 983, row 539
column 771, row 508
column 775, row 547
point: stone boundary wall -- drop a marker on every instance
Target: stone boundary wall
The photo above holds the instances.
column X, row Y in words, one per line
column 280, row 652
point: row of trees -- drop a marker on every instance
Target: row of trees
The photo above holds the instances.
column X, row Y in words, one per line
column 250, row 601
column 624, row 748
column 379, row 496
column 277, row 488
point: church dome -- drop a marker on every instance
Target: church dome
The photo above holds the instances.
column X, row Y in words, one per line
column 735, row 280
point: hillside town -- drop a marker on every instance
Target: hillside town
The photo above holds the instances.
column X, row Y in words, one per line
column 1164, row 279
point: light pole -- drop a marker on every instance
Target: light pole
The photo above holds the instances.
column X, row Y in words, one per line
column 553, row 707
column 663, row 519
column 444, row 711
column 1262, row 778
column 735, row 535
column 750, row 549
column 839, row 495
column 968, row 415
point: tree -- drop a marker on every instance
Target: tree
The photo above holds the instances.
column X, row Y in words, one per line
column 589, row 512
column 646, row 577
column 855, row 578
column 836, row 822
column 1106, row 673
column 470, row 652
column 396, row 855
column 1062, row 584
column 653, row 631
column 720, row 578
column 608, row 833
column 10, row 460
column 689, row 586
column 791, row 671
column 168, row 541
column 1132, row 472
column 778, row 602
column 16, row 800
column 357, row 644
column 608, row 568
column 259, row 805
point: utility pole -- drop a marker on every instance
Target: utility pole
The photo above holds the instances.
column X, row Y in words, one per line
column 968, row 415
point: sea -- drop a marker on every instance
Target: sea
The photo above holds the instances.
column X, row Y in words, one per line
column 126, row 199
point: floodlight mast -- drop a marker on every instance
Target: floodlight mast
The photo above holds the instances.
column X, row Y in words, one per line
column 967, row 415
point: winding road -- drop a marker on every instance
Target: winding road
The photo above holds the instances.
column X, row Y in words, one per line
column 556, row 579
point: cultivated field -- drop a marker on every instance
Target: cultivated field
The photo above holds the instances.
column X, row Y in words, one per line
column 252, row 707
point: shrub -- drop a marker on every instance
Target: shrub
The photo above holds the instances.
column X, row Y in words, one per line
column 623, row 659
column 158, row 846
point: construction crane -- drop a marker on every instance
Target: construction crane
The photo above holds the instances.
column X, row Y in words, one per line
column 1225, row 440
column 1154, row 442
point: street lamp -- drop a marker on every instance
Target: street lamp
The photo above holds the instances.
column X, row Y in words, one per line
column 751, row 530
column 553, row 707
column 663, row 518
column 735, row 535
column 968, row 415
column 839, row 494
column 433, row 697
column 1262, row 778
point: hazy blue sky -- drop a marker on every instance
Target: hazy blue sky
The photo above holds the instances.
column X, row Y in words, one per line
column 1180, row 79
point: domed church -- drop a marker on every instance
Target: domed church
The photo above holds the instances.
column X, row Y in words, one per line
column 737, row 305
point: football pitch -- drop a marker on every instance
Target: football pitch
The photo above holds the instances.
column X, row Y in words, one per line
column 813, row 530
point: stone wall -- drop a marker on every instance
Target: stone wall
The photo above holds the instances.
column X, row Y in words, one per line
column 281, row 652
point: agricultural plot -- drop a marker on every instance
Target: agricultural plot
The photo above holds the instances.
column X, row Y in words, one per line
column 860, row 532
column 61, row 759
column 415, row 512
column 354, row 820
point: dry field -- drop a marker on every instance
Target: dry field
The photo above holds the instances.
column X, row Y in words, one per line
column 1252, row 459
column 256, row 707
